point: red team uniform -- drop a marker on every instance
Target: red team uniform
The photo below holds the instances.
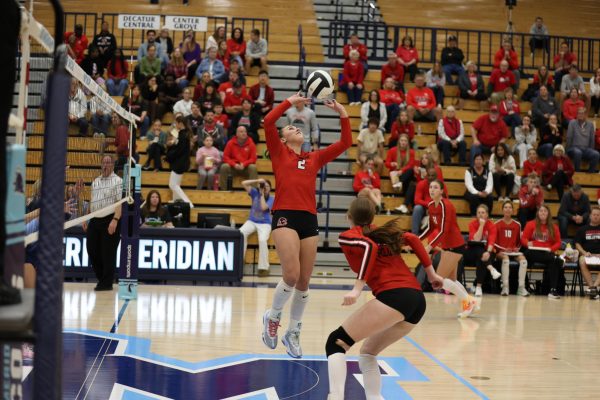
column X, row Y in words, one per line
column 508, row 236
column 443, row 230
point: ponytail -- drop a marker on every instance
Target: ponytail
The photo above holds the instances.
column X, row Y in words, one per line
column 390, row 235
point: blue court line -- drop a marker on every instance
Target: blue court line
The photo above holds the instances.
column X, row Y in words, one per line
column 448, row 369
column 118, row 320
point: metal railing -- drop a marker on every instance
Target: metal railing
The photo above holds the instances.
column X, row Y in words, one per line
column 247, row 24
column 301, row 58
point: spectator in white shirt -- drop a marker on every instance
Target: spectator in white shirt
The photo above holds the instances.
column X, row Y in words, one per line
column 78, row 108
column 184, row 106
column 595, row 92
column 525, row 138
column 256, row 51
column 101, row 116
column 436, row 80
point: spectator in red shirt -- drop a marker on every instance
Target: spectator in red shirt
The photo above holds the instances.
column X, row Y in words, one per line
column 355, row 44
column 541, row 78
column 226, row 88
column 75, row 51
column 471, row 86
column 121, row 142
column 488, row 131
column 367, row 183
column 570, row 107
column 239, row 158
column 558, row 171
column 562, row 63
column 422, row 200
column 510, row 111
column 393, row 100
column 262, row 94
column 500, row 80
column 352, row 81
column 532, row 164
column 117, row 70
column 402, row 126
column 400, row 161
column 393, row 69
column 508, row 53
column 233, row 101
column 201, row 86
column 482, row 238
column 421, row 104
column 81, row 41
column 531, row 197
column 236, row 46
column 408, row 56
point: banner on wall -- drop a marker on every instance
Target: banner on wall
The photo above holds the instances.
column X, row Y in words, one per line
column 185, row 23
column 135, row 21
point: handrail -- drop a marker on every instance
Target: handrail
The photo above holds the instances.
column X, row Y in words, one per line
column 301, row 58
column 327, row 211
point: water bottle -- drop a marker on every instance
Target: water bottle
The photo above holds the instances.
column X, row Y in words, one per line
column 419, row 130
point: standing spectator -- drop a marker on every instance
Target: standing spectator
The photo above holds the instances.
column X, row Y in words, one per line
column 552, row 135
column 541, row 78
column 74, row 51
column 149, row 93
column 121, row 143
column 451, row 137
column 400, row 161
column 117, row 70
column 558, row 171
column 587, row 242
column 94, row 66
column 531, row 197
column 525, row 139
column 482, row 238
column 256, row 51
column 233, row 101
column 200, row 87
column 81, row 41
column 78, row 108
column 305, row 119
column 153, row 213
column 157, row 141
column 471, row 86
column 402, row 126
column 210, row 64
column 194, row 120
column 103, row 233
column 100, row 116
column 105, row 42
column 532, row 164
column 507, row 53
column 262, row 94
column 510, row 111
column 352, row 80
column 161, row 52
column 259, row 220
column 570, row 107
column 574, row 209
column 581, row 141
column 138, row 106
column 373, row 109
column 211, row 128
column 208, row 160
column 236, row 46
column 149, row 65
column 165, row 41
column 367, row 183
column 539, row 36
column 355, row 44
column 595, row 92
column 408, row 56
column 420, row 102
column 178, row 156
column 370, row 145
column 393, row 100
column 488, row 131
column 503, row 168
column 192, row 53
column 501, row 79
column 452, row 60
column 178, row 68
column 239, row 158
column 480, row 184
column 184, row 106
column 436, row 80
column 562, row 63
column 213, row 40
column 247, row 117
column 543, row 107
column 573, row 81
column 393, row 69
column 168, row 94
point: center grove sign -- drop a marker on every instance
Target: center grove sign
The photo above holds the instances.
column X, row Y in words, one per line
column 183, row 23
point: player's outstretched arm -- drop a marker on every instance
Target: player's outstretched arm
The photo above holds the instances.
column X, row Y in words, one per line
column 332, row 151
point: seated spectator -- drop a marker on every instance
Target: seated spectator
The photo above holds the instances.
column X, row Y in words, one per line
column 480, row 253
column 436, row 80
column 233, row 101
column 210, row 99
column 256, row 51
column 558, row 171
column 543, row 107
column 121, row 143
column 451, row 137
column 211, row 128
column 539, row 36
column 178, row 156
column 149, row 65
column 157, row 141
column 420, row 102
column 221, row 118
column 239, row 158
column 421, row 200
column 400, row 161
column 192, row 54
column 149, row 91
column 178, row 68
column 236, row 46
column 480, row 184
column 510, row 111
column 259, row 220
column 184, row 106
column 488, row 131
column 531, row 197
column 373, row 108
column 210, row 64
column 471, row 86
column 213, row 40
column 352, row 79
column 408, row 56
column 153, row 213
column 562, row 63
column 551, row 135
column 500, row 80
column 525, row 140
column 542, row 239
column 574, row 209
column 581, row 142
column 234, row 67
column 223, row 55
column 74, row 51
column 541, row 78
column 595, row 92
column 503, row 168
column 532, row 164
column 200, row 87
column 117, row 71
column 452, row 60
column 208, row 160
column 370, row 145
column 194, row 120
column 393, row 100
column 94, row 66
column 78, row 108
column 79, row 35
column 304, row 118
column 247, row 117
column 168, row 94
column 573, row 81
column 101, row 115
column 587, row 242
column 419, row 173
column 402, row 126
column 138, row 106
column 355, row 44
column 226, row 87
column 367, row 183
column 160, row 53
column 393, row 69
column 507, row 53
column 262, row 94
column 165, row 41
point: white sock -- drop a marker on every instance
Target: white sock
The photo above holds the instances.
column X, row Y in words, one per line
column 283, row 292
column 456, row 288
column 505, row 272
column 522, row 272
column 299, row 301
column 371, row 376
column 336, row 366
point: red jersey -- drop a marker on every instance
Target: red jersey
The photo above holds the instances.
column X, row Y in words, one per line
column 235, row 152
column 528, row 168
column 541, row 239
column 506, row 107
column 422, row 197
column 296, row 174
column 395, row 72
column 528, row 199
column 353, row 72
column 443, row 230
column 363, row 178
column 489, row 232
column 227, row 87
column 223, row 120
column 391, row 96
column 421, row 98
column 501, row 80
column 361, row 48
column 568, row 59
column 231, row 99
column 490, row 133
column 392, row 156
column 398, row 129
column 376, row 265
column 508, row 236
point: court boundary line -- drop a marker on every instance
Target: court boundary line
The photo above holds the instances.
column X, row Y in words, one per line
column 119, row 317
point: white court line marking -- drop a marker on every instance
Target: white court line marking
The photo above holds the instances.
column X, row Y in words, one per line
column 270, row 393
column 119, row 391
column 90, row 370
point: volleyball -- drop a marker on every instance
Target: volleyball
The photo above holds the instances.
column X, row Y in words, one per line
column 319, row 84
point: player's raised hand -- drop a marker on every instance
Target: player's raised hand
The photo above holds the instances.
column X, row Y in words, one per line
column 334, row 105
column 298, row 98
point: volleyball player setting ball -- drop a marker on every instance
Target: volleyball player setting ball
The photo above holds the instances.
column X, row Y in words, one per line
column 295, row 229
column 399, row 304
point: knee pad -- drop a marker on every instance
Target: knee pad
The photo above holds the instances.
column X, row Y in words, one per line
column 331, row 347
